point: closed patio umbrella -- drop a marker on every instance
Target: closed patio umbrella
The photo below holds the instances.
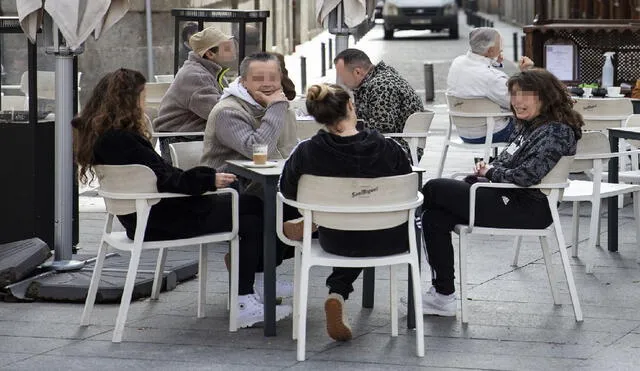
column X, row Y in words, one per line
column 76, row 20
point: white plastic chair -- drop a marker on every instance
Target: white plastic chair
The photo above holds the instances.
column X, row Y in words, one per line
column 471, row 113
column 164, row 78
column 132, row 188
column 593, row 150
column 599, row 114
column 186, row 155
column 552, row 185
column 14, row 103
column 329, row 202
column 154, row 93
column 415, row 132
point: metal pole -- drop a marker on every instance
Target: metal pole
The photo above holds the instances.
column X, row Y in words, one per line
column 515, row 46
column 330, row 53
column 63, row 228
column 303, row 74
column 323, row 58
column 150, row 68
column 429, row 93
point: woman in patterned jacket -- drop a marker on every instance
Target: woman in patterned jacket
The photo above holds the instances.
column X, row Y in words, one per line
column 547, row 128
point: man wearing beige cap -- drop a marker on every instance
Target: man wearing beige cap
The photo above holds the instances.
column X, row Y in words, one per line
column 197, row 86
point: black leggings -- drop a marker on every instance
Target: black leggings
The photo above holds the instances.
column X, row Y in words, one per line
column 446, row 203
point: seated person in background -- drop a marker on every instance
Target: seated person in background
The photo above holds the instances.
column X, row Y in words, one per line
column 547, row 128
column 477, row 74
column 252, row 110
column 196, row 88
column 384, row 100
column 188, row 30
column 342, row 151
column 288, row 87
column 110, row 130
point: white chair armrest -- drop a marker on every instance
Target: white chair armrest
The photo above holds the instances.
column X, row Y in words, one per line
column 480, row 115
column 475, row 186
column 280, row 222
column 164, row 134
column 603, row 156
column 143, row 196
column 406, row 135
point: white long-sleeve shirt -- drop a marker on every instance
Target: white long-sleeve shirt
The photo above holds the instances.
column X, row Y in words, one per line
column 472, row 76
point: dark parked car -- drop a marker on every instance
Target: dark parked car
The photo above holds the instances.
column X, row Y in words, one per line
column 434, row 15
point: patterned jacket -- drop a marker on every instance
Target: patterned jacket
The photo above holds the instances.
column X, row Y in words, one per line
column 532, row 153
column 384, row 100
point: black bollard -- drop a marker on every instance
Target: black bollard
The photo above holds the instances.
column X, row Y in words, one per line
column 515, row 46
column 429, row 92
column 330, row 53
column 323, row 58
column 303, row 75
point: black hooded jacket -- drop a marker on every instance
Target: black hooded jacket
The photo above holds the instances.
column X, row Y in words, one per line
column 367, row 154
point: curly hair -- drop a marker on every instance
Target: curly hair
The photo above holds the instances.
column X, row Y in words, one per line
column 557, row 104
column 114, row 104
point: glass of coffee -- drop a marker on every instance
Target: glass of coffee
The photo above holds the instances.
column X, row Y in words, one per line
column 260, row 154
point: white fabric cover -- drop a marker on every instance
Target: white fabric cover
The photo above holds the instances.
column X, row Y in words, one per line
column 76, row 19
column 355, row 11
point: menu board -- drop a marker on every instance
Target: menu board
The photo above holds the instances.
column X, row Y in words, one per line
column 560, row 61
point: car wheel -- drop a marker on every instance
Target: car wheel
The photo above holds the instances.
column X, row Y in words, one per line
column 454, row 32
column 388, row 34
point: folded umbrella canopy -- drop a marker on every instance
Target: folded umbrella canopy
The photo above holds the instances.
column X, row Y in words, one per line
column 76, row 19
column 355, row 11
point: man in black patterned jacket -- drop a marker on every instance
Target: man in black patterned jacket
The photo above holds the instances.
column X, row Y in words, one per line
column 384, row 100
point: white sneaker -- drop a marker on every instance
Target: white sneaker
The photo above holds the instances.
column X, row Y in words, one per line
column 284, row 289
column 437, row 304
column 251, row 311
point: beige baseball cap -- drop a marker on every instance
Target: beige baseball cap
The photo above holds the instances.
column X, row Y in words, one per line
column 206, row 39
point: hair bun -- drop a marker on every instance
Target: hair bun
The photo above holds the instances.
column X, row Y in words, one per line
column 317, row 92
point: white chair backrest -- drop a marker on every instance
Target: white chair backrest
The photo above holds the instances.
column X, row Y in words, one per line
column 46, row 84
column 164, row 78
column 125, row 179
column 592, row 142
column 559, row 174
column 633, row 122
column 186, row 155
column 598, row 112
column 419, row 123
column 480, row 108
column 14, row 103
column 355, row 193
column 156, row 90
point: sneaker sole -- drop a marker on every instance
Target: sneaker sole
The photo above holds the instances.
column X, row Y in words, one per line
column 279, row 316
column 429, row 311
column 335, row 326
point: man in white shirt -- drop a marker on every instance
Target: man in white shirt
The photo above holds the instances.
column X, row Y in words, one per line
column 479, row 74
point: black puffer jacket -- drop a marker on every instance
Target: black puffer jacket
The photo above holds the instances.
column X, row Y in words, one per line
column 533, row 151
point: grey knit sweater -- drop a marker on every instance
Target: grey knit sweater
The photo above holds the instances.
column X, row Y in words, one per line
column 234, row 126
column 191, row 96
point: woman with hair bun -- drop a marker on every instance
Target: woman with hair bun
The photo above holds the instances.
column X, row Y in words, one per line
column 343, row 151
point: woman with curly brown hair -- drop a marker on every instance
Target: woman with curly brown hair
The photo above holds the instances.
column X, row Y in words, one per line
column 547, row 128
column 111, row 130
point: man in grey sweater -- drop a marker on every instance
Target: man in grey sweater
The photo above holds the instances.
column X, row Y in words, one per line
column 252, row 110
column 197, row 86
